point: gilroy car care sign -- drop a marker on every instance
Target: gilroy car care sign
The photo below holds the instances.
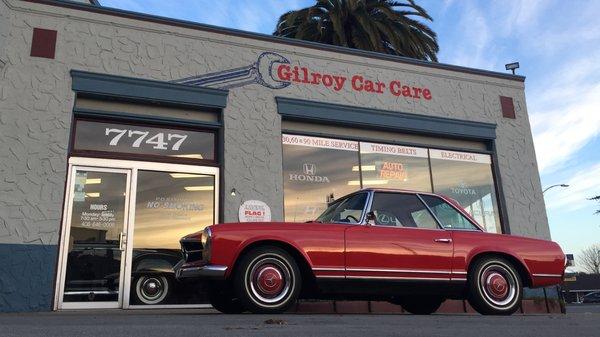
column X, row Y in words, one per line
column 276, row 71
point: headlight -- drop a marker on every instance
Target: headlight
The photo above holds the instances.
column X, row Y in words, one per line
column 205, row 240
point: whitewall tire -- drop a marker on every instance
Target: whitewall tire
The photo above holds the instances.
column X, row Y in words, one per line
column 267, row 280
column 495, row 286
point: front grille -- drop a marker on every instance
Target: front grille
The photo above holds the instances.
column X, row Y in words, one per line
column 191, row 250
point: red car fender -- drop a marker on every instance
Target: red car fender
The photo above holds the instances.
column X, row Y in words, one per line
column 245, row 244
column 486, row 250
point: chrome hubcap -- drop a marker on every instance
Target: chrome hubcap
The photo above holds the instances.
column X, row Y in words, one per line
column 151, row 289
column 498, row 285
column 269, row 280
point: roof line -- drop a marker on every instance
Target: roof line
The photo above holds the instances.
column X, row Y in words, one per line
column 273, row 39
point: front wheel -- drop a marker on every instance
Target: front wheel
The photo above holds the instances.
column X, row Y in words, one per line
column 495, row 287
column 267, row 280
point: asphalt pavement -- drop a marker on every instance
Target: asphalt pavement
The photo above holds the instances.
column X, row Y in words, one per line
column 206, row 323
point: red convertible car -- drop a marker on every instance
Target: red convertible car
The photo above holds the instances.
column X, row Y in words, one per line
column 409, row 248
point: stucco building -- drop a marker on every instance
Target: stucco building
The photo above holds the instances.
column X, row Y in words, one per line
column 121, row 132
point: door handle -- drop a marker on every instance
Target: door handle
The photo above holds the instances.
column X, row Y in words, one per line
column 443, row 240
column 122, row 241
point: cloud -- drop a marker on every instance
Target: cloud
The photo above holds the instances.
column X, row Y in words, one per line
column 474, row 49
column 565, row 114
column 584, row 184
column 522, row 14
column 256, row 16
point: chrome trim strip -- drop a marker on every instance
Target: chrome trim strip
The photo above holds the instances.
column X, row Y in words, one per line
column 329, row 269
column 458, row 279
column 331, row 276
column 213, row 267
column 547, row 275
column 399, row 278
column 439, row 223
column 416, row 271
column 367, row 208
column 95, row 292
column 389, row 270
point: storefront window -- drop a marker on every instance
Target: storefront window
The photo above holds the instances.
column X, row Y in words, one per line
column 316, row 171
column 143, row 140
column 393, row 166
column 467, row 178
column 319, row 170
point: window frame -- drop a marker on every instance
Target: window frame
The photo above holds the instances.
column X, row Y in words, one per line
column 363, row 216
column 461, row 212
column 370, row 204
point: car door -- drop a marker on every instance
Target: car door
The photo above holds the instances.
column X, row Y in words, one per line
column 403, row 242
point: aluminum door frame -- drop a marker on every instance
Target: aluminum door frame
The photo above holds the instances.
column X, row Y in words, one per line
column 132, row 167
column 66, row 233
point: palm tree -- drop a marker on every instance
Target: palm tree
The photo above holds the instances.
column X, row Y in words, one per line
column 383, row 26
column 597, row 198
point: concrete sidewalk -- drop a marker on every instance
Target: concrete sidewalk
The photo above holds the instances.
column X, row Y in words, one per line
column 162, row 323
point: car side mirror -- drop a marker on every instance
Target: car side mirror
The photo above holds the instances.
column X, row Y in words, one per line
column 371, row 218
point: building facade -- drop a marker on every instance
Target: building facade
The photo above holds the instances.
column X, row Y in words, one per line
column 121, row 132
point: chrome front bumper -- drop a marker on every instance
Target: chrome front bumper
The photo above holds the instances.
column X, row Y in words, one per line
column 209, row 271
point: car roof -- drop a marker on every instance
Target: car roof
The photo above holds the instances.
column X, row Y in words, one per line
column 387, row 189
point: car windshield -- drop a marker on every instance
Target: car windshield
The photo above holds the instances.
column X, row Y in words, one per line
column 348, row 210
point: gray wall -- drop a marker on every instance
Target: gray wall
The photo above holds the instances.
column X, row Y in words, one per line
column 36, row 108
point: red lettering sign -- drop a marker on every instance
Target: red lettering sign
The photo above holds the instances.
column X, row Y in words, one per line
column 304, row 75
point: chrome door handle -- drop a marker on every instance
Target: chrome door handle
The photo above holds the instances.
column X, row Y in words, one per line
column 443, row 240
column 122, row 241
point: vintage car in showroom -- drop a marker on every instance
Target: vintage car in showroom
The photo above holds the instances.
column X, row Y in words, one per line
column 409, row 248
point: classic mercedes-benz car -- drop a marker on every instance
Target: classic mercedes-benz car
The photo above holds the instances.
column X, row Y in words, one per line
column 409, row 248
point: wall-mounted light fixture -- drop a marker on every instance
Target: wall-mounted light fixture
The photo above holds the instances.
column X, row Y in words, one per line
column 512, row 66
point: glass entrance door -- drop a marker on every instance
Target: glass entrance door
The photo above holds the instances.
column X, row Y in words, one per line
column 122, row 225
column 168, row 206
column 95, row 238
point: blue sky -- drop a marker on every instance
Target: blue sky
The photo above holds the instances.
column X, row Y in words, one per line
column 558, row 46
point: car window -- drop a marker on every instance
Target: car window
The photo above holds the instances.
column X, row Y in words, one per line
column 348, row 210
column 447, row 214
column 401, row 210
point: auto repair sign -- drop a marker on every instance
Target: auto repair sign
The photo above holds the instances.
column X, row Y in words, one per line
column 254, row 211
column 276, row 71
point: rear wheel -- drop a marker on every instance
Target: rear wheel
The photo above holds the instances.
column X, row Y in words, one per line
column 495, row 287
column 267, row 280
column 424, row 305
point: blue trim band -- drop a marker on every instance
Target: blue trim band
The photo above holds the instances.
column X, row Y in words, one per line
column 336, row 114
column 136, row 89
column 27, row 276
